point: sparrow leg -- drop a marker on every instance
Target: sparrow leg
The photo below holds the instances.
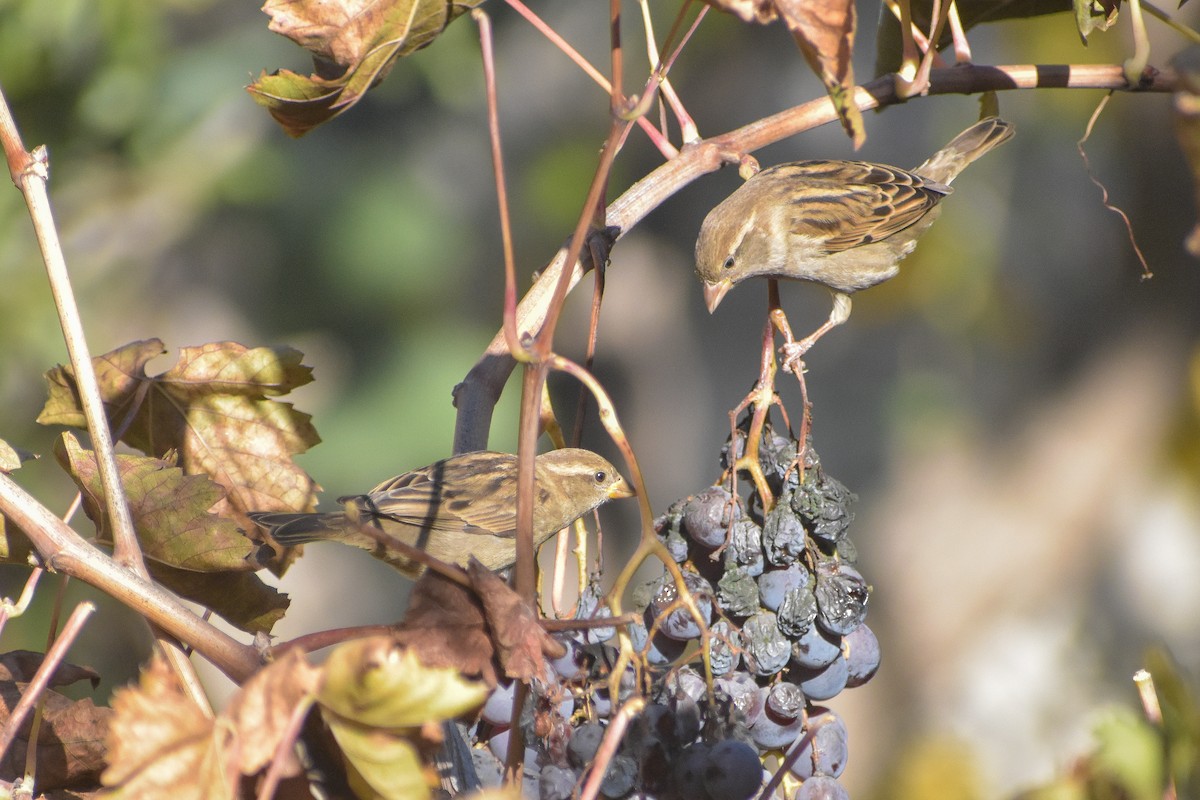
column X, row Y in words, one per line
column 793, row 351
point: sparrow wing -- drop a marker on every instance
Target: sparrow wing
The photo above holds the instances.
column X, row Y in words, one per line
column 471, row 493
column 839, row 205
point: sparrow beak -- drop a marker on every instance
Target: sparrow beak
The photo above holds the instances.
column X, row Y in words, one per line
column 620, row 489
column 713, row 292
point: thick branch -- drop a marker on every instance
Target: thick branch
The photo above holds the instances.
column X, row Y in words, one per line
column 476, row 396
column 63, row 550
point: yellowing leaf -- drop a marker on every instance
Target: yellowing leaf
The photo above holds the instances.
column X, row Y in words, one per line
column 169, row 509
column 162, row 747
column 379, row 765
column 354, row 44
column 213, row 408
column 374, row 682
column 261, row 711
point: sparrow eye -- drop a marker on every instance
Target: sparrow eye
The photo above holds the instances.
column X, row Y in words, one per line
column 600, row 476
column 729, row 262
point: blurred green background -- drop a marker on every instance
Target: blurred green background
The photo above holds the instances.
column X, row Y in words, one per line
column 1017, row 410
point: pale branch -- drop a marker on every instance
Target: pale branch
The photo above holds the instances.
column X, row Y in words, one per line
column 63, row 550
column 476, row 397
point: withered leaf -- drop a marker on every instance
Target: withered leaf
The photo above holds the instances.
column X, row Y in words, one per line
column 354, row 44
column 170, row 511
column 377, row 698
column 241, row 598
column 379, row 683
column 824, row 30
column 264, row 706
column 70, row 745
column 444, row 623
column 21, row 665
column 162, row 747
column 521, row 643
column 215, row 409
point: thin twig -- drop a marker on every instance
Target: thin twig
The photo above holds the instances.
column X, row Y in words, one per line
column 30, row 173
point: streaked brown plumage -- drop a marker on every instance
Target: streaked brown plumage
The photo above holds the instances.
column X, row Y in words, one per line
column 843, row 224
column 459, row 507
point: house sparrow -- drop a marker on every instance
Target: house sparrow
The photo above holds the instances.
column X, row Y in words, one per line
column 844, row 224
column 459, row 507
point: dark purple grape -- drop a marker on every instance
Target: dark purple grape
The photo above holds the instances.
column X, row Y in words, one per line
column 861, row 649
column 767, row 652
column 747, row 696
column 498, row 744
column 824, row 503
column 745, row 547
column 680, row 624
column 498, row 708
column 772, row 732
column 827, row 750
column 827, row 682
column 706, row 516
column 784, row 537
column 585, row 741
column 724, row 647
column 619, row 777
column 797, row 611
column 689, row 771
column 737, row 592
column 733, row 772
column 841, row 597
column 814, row 649
column 590, row 606
column 821, row 788
column 785, row 701
column 677, row 546
column 775, row 583
column 663, row 649
column 556, row 783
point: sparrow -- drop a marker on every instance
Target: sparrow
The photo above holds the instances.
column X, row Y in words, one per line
column 843, row 224
column 459, row 507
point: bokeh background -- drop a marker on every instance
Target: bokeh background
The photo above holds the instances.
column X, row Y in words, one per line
column 1017, row 410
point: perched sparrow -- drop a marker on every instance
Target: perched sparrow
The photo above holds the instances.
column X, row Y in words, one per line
column 844, row 224
column 460, row 507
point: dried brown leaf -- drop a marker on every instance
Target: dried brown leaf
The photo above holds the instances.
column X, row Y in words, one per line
column 354, row 44
column 70, row 745
column 162, row 747
column 445, row 625
column 215, row 409
column 521, row 643
column 21, row 665
column 265, row 705
column 824, row 29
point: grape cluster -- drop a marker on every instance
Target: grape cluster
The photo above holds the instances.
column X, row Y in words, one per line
column 784, row 608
